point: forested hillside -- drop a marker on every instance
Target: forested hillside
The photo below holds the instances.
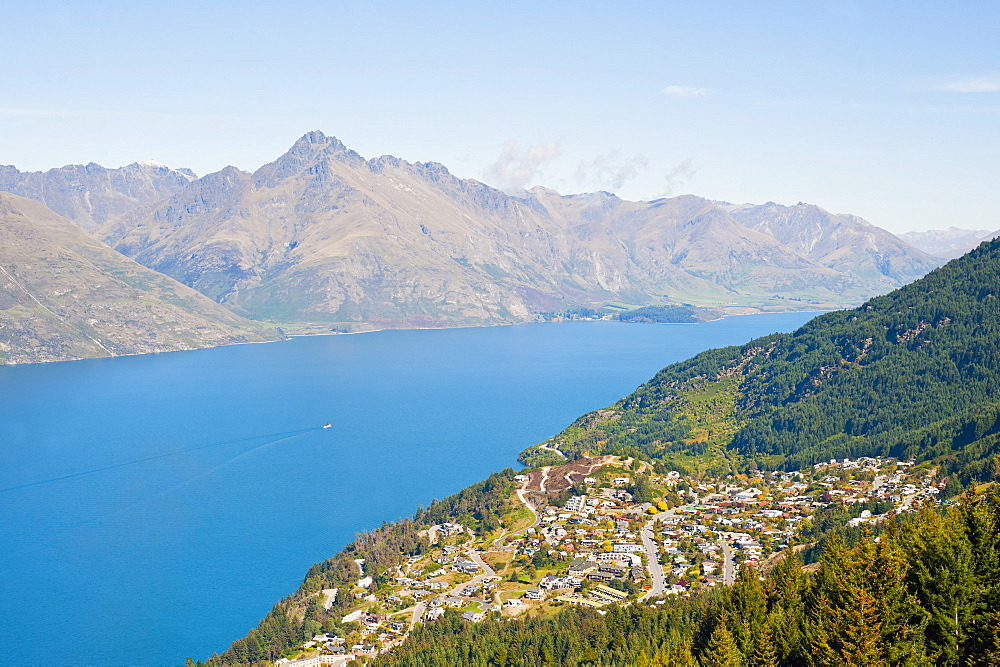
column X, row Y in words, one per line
column 912, row 374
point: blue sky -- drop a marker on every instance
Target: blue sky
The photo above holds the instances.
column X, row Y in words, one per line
column 888, row 110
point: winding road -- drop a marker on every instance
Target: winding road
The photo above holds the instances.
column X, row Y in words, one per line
column 551, row 449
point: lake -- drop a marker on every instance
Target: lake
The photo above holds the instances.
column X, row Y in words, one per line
column 211, row 486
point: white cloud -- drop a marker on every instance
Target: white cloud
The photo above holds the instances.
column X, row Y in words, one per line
column 976, row 84
column 516, row 168
column 687, row 91
column 610, row 171
column 678, row 176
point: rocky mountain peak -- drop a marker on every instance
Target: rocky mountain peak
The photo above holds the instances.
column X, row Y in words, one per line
column 316, row 143
column 322, row 235
column 313, row 153
column 155, row 167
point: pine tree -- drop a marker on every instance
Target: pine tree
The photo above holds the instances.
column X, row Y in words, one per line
column 721, row 650
column 940, row 572
column 764, row 654
column 678, row 656
column 864, row 613
column 746, row 607
column 787, row 586
column 979, row 515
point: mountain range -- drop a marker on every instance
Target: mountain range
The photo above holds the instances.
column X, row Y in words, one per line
column 90, row 194
column 324, row 235
column 324, row 239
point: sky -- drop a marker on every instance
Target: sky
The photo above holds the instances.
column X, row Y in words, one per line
column 889, row 110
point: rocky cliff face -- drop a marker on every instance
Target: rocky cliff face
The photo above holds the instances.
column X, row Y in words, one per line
column 66, row 295
column 324, row 235
column 90, row 194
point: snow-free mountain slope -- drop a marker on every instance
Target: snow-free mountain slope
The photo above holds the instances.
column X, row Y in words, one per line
column 845, row 243
column 66, row 295
column 324, row 235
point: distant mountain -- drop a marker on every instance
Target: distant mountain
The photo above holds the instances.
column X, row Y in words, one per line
column 66, row 295
column 948, row 243
column 688, row 249
column 845, row 243
column 90, row 194
column 323, row 235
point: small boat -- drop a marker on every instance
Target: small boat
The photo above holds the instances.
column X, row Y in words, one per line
column 328, row 425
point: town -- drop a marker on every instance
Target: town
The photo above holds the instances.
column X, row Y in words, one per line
column 604, row 531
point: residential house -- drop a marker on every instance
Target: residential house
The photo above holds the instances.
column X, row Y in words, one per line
column 534, row 594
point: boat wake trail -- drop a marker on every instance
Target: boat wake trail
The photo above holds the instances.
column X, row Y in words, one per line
column 272, row 438
column 236, row 458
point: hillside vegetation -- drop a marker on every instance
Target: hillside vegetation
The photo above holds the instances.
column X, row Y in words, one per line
column 912, row 374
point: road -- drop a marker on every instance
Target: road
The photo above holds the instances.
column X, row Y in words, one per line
column 478, row 579
column 878, row 482
column 478, row 560
column 653, row 565
column 524, row 501
column 551, row 449
column 655, row 568
column 418, row 613
column 729, row 566
column 421, row 607
column 473, row 554
column 534, row 512
column 545, row 476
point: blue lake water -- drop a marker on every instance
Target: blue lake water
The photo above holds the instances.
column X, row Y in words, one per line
column 179, row 555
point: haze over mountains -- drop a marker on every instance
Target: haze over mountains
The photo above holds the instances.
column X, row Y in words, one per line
column 948, row 243
column 326, row 237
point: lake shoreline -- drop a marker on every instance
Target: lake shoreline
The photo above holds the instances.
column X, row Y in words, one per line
column 290, row 336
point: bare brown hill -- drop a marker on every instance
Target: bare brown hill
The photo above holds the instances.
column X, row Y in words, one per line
column 65, row 295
